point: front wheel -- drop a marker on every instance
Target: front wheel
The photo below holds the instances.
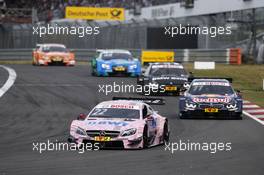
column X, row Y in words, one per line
column 182, row 115
column 145, row 138
column 166, row 134
column 93, row 72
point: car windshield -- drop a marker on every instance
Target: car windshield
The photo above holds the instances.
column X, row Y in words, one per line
column 210, row 89
column 54, row 49
column 167, row 71
column 115, row 113
column 112, row 56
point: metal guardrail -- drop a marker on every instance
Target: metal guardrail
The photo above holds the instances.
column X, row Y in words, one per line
column 186, row 55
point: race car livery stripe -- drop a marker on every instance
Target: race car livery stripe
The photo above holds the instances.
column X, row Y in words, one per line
column 106, row 122
column 167, row 66
column 169, row 78
column 213, row 83
column 119, row 106
column 211, row 100
column 122, row 106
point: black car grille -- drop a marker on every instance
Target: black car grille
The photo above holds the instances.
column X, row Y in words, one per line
column 118, row 67
column 218, row 106
column 94, row 133
column 107, row 145
column 170, row 82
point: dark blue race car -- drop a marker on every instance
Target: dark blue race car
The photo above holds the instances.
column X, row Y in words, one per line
column 210, row 98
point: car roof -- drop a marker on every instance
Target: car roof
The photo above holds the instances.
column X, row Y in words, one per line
column 113, row 51
column 137, row 104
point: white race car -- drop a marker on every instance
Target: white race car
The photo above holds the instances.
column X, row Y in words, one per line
column 128, row 123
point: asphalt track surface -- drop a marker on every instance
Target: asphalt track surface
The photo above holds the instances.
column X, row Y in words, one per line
column 44, row 100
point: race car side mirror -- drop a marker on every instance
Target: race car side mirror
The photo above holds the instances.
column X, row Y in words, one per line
column 149, row 117
column 239, row 93
column 81, row 117
column 140, row 80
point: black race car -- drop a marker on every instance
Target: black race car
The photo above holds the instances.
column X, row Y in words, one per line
column 164, row 78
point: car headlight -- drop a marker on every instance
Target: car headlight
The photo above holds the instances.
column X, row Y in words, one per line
column 80, row 131
column 186, row 85
column 134, row 66
column 129, row 132
column 153, row 84
column 66, row 58
column 46, row 57
column 190, row 105
column 105, row 66
column 231, row 106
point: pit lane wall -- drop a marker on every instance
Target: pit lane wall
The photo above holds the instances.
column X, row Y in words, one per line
column 226, row 56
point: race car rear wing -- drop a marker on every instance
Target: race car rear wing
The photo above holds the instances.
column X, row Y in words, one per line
column 150, row 101
column 190, row 79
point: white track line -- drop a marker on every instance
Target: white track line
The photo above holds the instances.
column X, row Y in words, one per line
column 10, row 81
column 253, row 117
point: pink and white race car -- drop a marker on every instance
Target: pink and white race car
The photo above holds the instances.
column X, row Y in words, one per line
column 128, row 123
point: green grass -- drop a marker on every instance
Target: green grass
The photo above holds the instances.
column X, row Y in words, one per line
column 246, row 78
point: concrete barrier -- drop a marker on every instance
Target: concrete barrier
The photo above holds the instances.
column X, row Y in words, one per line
column 227, row 56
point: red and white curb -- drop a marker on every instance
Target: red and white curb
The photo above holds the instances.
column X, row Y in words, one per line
column 253, row 111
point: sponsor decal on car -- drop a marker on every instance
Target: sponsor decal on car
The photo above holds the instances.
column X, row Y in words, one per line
column 168, row 78
column 107, row 122
column 210, row 84
column 167, row 66
column 211, row 100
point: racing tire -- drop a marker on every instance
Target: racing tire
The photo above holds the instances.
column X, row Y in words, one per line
column 166, row 134
column 182, row 115
column 34, row 63
column 145, row 138
column 93, row 72
column 239, row 116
